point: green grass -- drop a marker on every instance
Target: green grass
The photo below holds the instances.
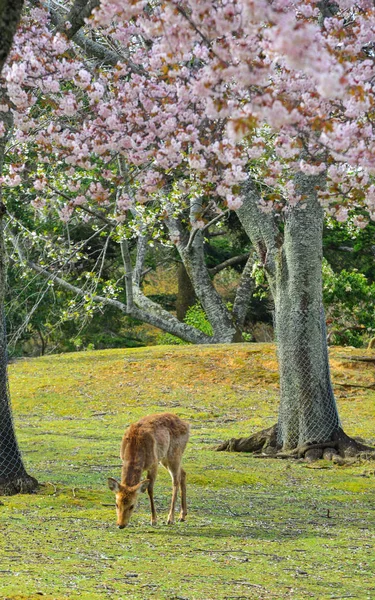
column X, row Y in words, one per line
column 256, row 529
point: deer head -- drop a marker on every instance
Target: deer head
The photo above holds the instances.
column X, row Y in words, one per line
column 126, row 499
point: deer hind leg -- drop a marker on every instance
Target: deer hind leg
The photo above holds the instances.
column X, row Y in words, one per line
column 174, row 468
column 183, row 512
column 151, row 475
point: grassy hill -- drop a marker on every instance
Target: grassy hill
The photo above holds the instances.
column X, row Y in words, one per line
column 256, row 528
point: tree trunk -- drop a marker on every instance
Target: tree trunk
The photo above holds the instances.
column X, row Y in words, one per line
column 308, row 421
column 308, row 412
column 244, row 292
column 224, row 327
column 191, row 251
column 10, row 13
column 13, row 476
column 186, row 295
column 43, row 341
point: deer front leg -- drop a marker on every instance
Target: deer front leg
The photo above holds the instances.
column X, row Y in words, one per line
column 173, row 503
column 151, row 475
column 183, row 495
column 175, row 472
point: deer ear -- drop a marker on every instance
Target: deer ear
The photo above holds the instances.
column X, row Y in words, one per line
column 113, row 485
column 144, row 485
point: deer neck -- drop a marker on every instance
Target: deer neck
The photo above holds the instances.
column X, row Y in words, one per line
column 131, row 474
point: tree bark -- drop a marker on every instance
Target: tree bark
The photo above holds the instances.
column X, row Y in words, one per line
column 186, row 296
column 13, row 476
column 292, row 256
column 308, row 412
column 81, row 10
column 225, row 329
column 10, row 13
column 244, row 293
column 223, row 325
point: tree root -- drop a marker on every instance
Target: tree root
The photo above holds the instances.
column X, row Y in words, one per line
column 260, row 441
column 20, row 484
column 263, row 444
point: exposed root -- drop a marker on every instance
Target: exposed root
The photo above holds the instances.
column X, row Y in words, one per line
column 258, row 442
column 21, row 484
column 263, row 444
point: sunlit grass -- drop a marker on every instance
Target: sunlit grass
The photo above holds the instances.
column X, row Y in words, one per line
column 255, row 529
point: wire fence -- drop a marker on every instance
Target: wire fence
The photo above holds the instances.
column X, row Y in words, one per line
column 11, row 464
column 308, row 411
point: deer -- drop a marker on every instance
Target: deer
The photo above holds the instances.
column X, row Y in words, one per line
column 154, row 438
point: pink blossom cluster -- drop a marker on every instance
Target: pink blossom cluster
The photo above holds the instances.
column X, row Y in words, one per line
column 202, row 90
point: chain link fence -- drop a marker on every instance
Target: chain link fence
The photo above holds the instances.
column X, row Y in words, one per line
column 308, row 411
column 11, row 465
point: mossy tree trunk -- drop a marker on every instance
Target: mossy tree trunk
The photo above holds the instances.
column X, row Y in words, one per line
column 308, row 412
column 13, row 476
column 10, row 13
column 192, row 253
column 291, row 253
column 186, row 296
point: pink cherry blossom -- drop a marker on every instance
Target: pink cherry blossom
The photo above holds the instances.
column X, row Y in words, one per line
column 202, row 92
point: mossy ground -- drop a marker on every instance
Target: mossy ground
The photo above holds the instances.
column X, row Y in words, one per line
column 256, row 528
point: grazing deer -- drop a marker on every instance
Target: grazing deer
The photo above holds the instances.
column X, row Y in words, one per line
column 155, row 438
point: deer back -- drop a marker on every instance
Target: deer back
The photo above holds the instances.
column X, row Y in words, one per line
column 151, row 439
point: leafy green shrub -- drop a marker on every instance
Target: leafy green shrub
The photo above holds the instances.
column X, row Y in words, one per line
column 349, row 301
column 196, row 317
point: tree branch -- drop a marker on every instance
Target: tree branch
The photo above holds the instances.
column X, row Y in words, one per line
column 235, row 260
column 84, row 208
column 146, row 311
column 138, row 272
column 193, row 258
column 170, row 323
column 244, row 292
column 91, row 48
column 209, row 224
column 128, row 275
column 81, row 10
column 201, row 35
column 10, row 14
column 261, row 229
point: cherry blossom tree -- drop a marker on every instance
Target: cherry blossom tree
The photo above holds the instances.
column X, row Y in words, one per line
column 115, row 201
column 198, row 107
column 13, row 476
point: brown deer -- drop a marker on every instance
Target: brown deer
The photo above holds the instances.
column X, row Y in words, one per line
column 154, row 438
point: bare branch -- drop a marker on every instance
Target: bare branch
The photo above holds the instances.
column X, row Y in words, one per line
column 146, row 311
column 235, row 260
column 128, row 275
column 209, row 224
column 139, row 273
column 84, row 208
column 81, row 10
